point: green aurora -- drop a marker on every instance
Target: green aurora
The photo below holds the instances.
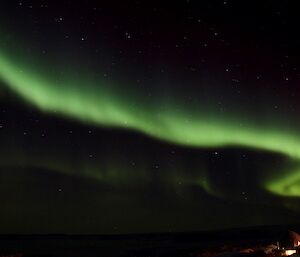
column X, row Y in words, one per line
column 105, row 105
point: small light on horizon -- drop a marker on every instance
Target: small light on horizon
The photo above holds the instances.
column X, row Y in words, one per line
column 290, row 252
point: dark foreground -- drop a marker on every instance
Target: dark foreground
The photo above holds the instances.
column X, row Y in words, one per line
column 249, row 242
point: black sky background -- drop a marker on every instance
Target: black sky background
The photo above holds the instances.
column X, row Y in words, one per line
column 59, row 175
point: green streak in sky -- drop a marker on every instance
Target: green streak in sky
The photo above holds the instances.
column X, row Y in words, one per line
column 288, row 185
column 94, row 102
column 106, row 108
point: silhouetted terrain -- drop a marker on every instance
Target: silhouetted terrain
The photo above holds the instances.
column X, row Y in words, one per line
column 235, row 242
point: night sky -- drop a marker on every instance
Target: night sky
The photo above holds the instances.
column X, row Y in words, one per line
column 148, row 116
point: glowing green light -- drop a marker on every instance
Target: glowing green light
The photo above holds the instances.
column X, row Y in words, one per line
column 91, row 101
column 287, row 185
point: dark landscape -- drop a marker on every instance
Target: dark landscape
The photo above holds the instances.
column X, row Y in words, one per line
column 252, row 242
